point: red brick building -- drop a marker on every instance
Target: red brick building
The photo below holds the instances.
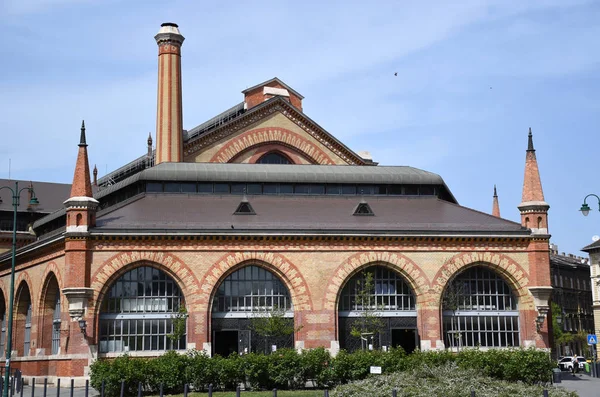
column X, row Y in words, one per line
column 261, row 208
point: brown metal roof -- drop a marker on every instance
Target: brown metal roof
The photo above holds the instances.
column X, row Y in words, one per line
column 177, row 212
column 592, row 247
column 50, row 195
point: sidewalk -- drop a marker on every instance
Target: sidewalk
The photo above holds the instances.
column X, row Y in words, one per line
column 583, row 384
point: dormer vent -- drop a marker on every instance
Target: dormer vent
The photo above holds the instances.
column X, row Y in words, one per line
column 244, row 208
column 363, row 209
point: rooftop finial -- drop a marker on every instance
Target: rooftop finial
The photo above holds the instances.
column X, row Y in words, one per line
column 530, row 142
column 495, row 194
column 82, row 138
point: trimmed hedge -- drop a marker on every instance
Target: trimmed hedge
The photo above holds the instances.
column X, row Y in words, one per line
column 288, row 369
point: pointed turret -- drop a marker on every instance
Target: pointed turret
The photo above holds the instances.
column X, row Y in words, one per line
column 81, row 205
column 149, row 154
column 534, row 210
column 81, row 216
column 82, row 186
column 495, row 205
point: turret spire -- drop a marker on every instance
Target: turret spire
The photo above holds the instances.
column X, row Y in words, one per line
column 495, row 205
column 81, row 186
column 82, row 137
column 534, row 210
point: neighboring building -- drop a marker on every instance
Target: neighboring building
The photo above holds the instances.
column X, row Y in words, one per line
column 594, row 251
column 573, row 295
column 51, row 197
column 258, row 209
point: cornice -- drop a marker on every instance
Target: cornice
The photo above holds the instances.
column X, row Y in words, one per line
column 262, row 111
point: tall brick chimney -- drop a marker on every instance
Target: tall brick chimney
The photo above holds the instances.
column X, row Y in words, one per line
column 169, row 113
column 534, row 210
column 495, row 205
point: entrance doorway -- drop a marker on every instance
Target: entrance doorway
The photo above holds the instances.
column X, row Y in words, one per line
column 226, row 342
column 404, row 338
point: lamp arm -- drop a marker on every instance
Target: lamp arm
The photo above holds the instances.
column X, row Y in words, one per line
column 9, row 188
column 590, row 195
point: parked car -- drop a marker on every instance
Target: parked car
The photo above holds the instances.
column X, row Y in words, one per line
column 566, row 363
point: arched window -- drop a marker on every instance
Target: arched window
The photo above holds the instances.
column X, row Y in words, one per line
column 3, row 324
column 480, row 309
column 27, row 337
column 56, row 326
column 244, row 297
column 273, row 158
column 378, row 304
column 137, row 312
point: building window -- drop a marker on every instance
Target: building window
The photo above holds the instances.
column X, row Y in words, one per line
column 248, row 293
column 479, row 309
column 274, row 158
column 137, row 312
column 390, row 292
column 27, row 337
column 251, row 289
column 56, row 326
column 3, row 334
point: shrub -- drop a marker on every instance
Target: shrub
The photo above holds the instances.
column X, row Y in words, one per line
column 285, row 369
column 356, row 365
column 445, row 380
column 201, row 370
column 170, row 370
column 256, row 368
column 526, row 365
column 228, row 372
column 124, row 368
column 315, row 366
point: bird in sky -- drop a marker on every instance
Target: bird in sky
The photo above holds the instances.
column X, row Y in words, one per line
column 396, row 74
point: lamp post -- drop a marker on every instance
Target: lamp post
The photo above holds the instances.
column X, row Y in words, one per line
column 16, row 194
column 585, row 209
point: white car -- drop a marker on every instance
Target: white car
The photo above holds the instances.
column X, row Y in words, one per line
column 566, row 363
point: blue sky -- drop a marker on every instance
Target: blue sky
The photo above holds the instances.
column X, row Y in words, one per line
column 472, row 78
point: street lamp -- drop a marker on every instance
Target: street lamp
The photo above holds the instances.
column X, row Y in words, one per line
column 585, row 209
column 16, row 194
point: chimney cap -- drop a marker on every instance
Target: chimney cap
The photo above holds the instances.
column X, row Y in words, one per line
column 169, row 24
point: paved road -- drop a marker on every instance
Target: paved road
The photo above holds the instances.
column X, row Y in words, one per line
column 584, row 385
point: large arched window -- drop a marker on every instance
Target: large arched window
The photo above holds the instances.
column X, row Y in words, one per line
column 274, row 158
column 56, row 326
column 3, row 324
column 378, row 304
column 251, row 289
column 480, row 309
column 245, row 298
column 137, row 312
column 50, row 316
column 23, row 315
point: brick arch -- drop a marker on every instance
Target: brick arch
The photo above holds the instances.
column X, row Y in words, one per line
column 292, row 154
column 276, row 263
column 269, row 135
column 45, row 308
column 412, row 273
column 51, row 269
column 3, row 293
column 24, row 277
column 510, row 270
column 119, row 264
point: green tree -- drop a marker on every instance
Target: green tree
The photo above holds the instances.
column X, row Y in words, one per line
column 451, row 301
column 369, row 324
column 179, row 325
column 272, row 323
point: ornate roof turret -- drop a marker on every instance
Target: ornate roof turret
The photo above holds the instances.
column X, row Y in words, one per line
column 496, row 205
